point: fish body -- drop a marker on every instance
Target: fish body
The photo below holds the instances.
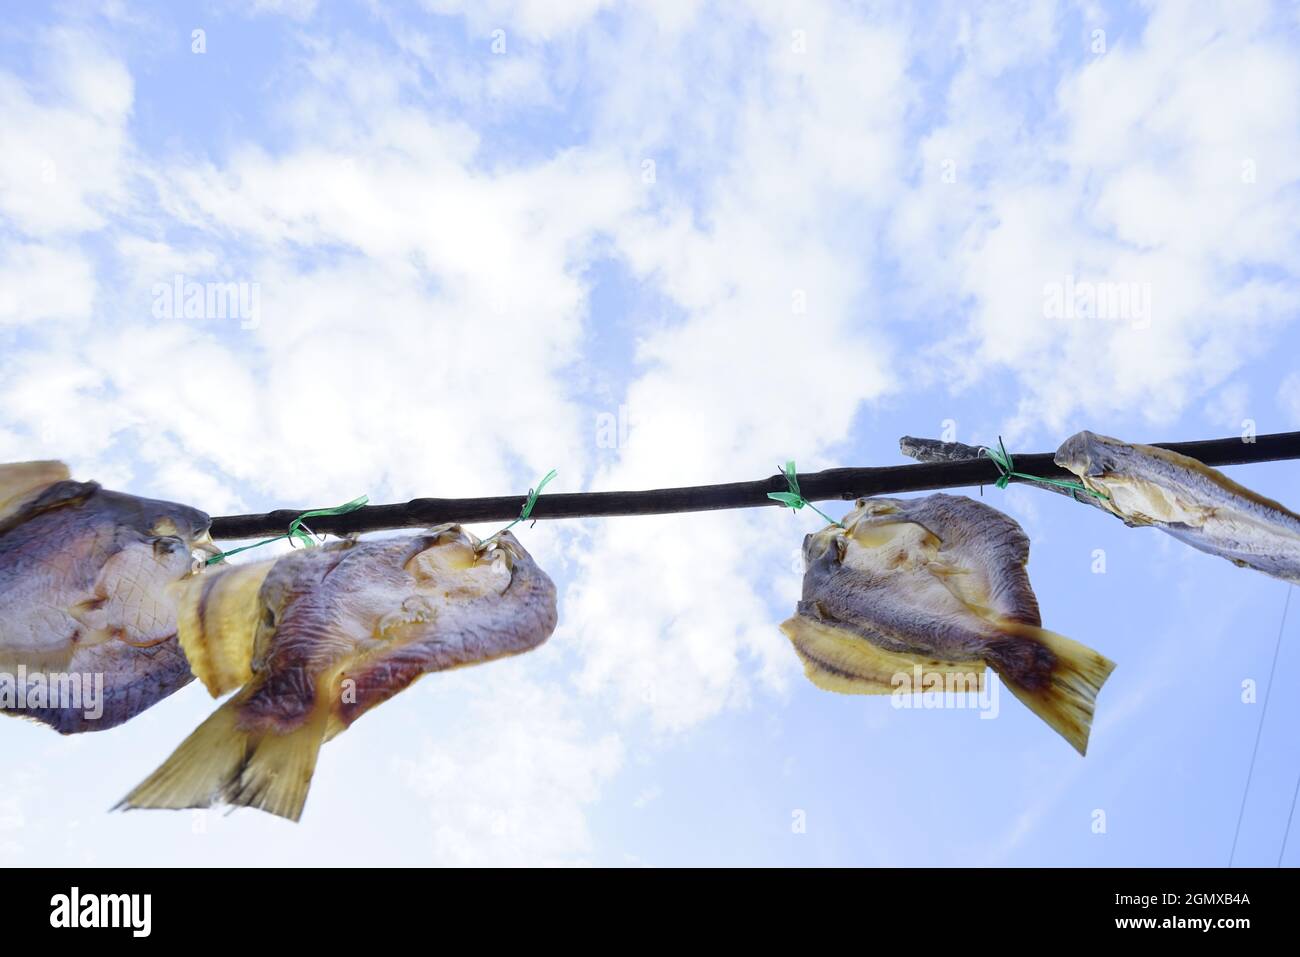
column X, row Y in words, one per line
column 938, row 582
column 1198, row 505
column 314, row 640
column 84, row 577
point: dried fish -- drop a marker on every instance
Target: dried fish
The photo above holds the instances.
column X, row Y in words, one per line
column 319, row 637
column 1198, row 505
column 937, row 582
column 84, row 574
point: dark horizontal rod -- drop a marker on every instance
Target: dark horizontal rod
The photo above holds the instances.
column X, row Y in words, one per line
column 841, row 483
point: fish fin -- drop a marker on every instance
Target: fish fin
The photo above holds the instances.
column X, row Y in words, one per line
column 840, row 661
column 1215, row 476
column 25, row 503
column 1061, row 686
column 277, row 775
column 222, row 762
column 20, row 479
column 895, row 534
column 200, row 769
column 217, row 618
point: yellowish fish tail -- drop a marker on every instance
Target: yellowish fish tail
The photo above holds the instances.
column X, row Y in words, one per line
column 838, row 660
column 278, row 773
column 198, row 770
column 224, row 762
column 18, row 480
column 217, row 616
column 1056, row 677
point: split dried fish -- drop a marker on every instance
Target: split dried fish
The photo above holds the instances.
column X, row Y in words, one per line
column 318, row 638
column 940, row 583
column 84, row 574
column 1198, row 505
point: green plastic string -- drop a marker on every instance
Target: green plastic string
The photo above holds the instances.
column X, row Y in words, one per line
column 794, row 498
column 527, row 510
column 1006, row 466
column 297, row 532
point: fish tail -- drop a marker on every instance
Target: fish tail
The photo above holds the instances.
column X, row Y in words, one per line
column 840, row 661
column 1055, row 677
column 21, row 479
column 223, row 762
column 833, row 663
column 279, row 772
column 198, row 770
column 216, row 620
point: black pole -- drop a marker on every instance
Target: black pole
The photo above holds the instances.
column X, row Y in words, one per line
column 841, row 483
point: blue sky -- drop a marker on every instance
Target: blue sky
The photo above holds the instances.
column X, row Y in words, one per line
column 757, row 232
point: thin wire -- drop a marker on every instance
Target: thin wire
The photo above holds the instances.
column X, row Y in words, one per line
column 1260, row 730
column 1006, row 465
column 1287, row 833
column 524, row 512
column 298, row 532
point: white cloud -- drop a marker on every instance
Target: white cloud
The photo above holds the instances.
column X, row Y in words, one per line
column 1288, row 396
column 44, row 282
column 770, row 359
column 425, row 296
column 647, row 797
column 510, row 782
column 1163, row 162
column 64, row 162
column 671, row 617
column 294, row 9
column 445, row 303
column 17, row 827
column 1229, row 406
column 534, row 19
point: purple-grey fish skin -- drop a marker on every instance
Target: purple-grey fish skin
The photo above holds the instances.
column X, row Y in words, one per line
column 83, row 596
column 932, row 583
column 990, row 544
column 320, row 637
column 1197, row 504
column 335, row 605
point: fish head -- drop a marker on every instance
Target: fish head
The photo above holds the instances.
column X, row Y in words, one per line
column 466, row 599
column 106, row 562
column 90, row 589
column 872, row 511
column 191, row 528
column 153, row 546
column 830, row 544
column 866, row 508
column 825, row 546
column 155, row 542
column 170, row 526
column 460, row 565
column 364, row 594
column 1089, row 455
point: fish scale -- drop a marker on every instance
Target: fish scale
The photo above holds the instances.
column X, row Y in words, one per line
column 938, row 584
column 311, row 641
column 1200, row 506
column 83, row 583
